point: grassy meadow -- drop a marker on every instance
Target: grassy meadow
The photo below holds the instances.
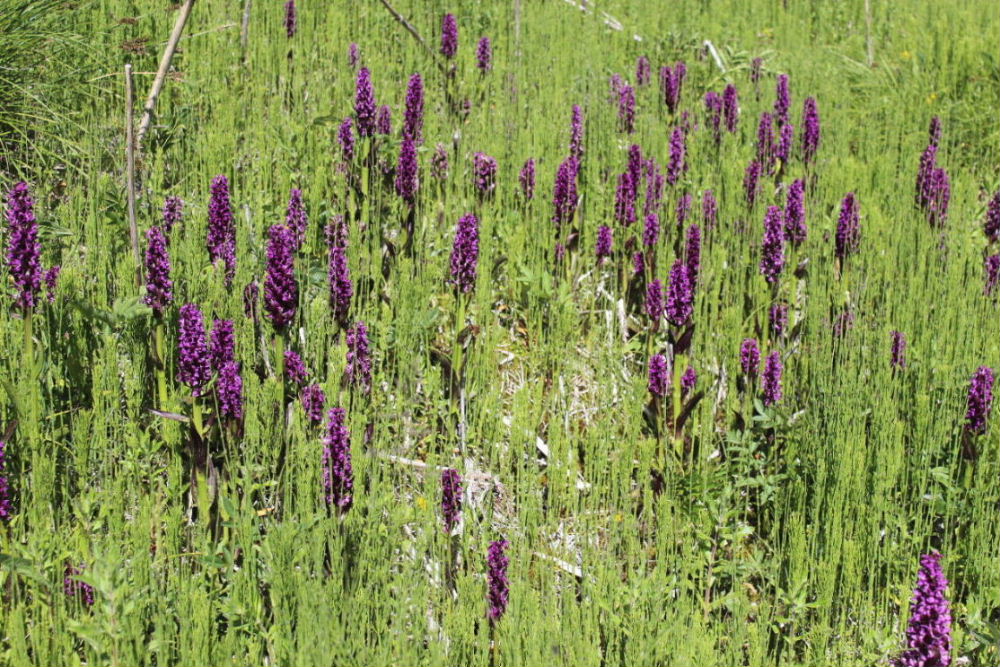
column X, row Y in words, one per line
column 704, row 527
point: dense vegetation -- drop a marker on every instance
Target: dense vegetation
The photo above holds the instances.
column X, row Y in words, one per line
column 177, row 495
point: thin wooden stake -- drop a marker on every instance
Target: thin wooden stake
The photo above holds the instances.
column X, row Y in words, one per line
column 133, row 230
column 416, row 35
column 868, row 33
column 245, row 28
column 161, row 72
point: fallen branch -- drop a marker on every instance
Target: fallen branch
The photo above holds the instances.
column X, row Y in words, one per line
column 413, row 31
column 483, row 476
column 715, row 56
column 606, row 18
column 133, row 230
column 245, row 28
column 161, row 73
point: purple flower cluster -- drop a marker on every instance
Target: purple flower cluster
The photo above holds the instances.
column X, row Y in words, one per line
column 638, row 263
column 772, row 249
column 689, row 380
column 683, row 208
column 655, row 182
column 991, row 269
column 615, row 83
column 795, row 212
column 750, row 357
column 765, row 142
column 353, row 55
column 484, row 173
column 933, row 189
column 221, row 240
column 680, row 295
column 992, row 225
column 51, row 279
column 296, row 218
column 194, row 363
column 564, row 196
column 980, row 400
column 339, row 277
column 439, row 162
column 898, row 350
column 527, row 179
column 635, row 167
column 23, row 248
column 626, row 109
column 651, row 232
column 383, row 120
column 778, row 318
column 625, row 200
column 406, row 173
column 783, row 152
column 295, row 368
column 934, row 131
column 159, row 287
column 692, row 253
column 677, row 165
column 713, row 112
column 810, row 132
column 359, row 358
column 364, row 103
column 73, row 587
column 449, row 36
column 451, row 498
column 642, row 71
column 222, row 346
column 465, row 253
column 231, row 391
column 499, row 587
column 782, row 100
column 290, row 18
column 281, row 289
column 731, row 108
column 940, row 194
column 654, row 302
column 413, row 115
column 173, row 212
column 928, row 633
column 345, row 137
column 709, row 210
column 604, row 242
column 751, row 182
column 659, row 375
column 338, row 475
column 313, row 401
column 671, row 80
column 848, row 237
column 771, row 380
column 484, row 55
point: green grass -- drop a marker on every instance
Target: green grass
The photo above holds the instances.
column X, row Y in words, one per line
column 793, row 540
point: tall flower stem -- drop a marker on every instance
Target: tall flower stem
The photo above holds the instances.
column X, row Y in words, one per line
column 279, row 361
column 676, row 439
column 458, row 365
column 196, row 417
column 161, row 362
column 451, row 565
column 30, row 375
column 29, row 345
